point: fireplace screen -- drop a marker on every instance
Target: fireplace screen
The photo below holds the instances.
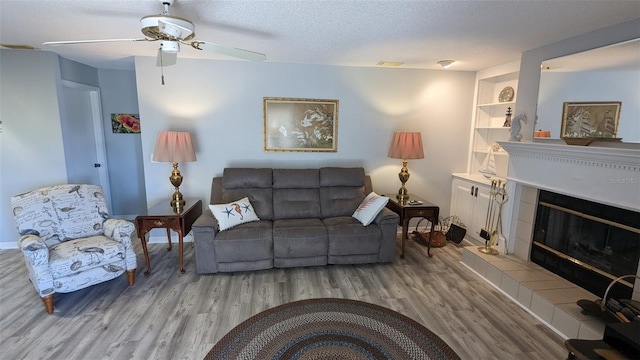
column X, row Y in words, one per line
column 582, row 240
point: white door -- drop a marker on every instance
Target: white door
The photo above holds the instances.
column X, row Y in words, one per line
column 83, row 136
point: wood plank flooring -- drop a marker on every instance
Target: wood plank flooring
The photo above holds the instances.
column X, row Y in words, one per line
column 168, row 315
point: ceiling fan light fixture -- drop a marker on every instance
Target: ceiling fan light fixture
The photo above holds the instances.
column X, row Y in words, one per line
column 168, row 27
column 170, row 47
column 445, row 63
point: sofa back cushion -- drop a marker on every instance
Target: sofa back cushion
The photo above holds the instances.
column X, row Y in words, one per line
column 341, row 190
column 296, row 193
column 255, row 184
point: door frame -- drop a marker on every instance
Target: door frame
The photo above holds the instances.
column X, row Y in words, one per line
column 98, row 134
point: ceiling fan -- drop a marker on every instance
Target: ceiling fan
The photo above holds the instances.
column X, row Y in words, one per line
column 172, row 31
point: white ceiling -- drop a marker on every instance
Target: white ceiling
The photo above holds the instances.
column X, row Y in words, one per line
column 477, row 34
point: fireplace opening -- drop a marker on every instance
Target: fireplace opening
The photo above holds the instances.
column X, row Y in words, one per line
column 587, row 243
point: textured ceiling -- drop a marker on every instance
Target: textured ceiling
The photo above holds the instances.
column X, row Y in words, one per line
column 477, row 34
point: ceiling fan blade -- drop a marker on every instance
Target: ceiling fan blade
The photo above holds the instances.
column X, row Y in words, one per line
column 227, row 50
column 53, row 43
column 166, row 59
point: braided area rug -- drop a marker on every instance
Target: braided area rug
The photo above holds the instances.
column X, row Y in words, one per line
column 330, row 329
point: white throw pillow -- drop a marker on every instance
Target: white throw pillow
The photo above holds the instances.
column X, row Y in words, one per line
column 234, row 213
column 370, row 207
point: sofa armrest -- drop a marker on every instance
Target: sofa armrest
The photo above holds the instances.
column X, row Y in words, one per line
column 386, row 216
column 204, row 231
column 206, row 222
column 120, row 231
column 36, row 256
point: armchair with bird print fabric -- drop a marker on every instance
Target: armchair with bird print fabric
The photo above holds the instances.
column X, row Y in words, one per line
column 68, row 240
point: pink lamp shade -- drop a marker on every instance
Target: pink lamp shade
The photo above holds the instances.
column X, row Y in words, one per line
column 406, row 145
column 174, row 147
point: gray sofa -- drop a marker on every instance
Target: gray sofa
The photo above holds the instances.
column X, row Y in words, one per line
column 305, row 220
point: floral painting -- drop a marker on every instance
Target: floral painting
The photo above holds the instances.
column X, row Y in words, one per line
column 125, row 123
column 300, row 124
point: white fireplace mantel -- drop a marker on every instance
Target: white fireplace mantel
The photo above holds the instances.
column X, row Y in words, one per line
column 601, row 174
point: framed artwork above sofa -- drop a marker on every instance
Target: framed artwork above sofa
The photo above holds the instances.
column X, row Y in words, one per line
column 300, row 124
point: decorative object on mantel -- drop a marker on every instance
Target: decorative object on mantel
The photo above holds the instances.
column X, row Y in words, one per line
column 498, row 194
column 590, row 120
column 507, row 118
column 516, row 126
column 542, row 134
column 586, row 141
column 174, row 147
column 405, row 145
column 506, row 94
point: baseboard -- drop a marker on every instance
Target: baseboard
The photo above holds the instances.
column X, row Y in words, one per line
column 4, row 245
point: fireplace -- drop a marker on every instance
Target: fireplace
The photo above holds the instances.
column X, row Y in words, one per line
column 587, row 243
column 607, row 176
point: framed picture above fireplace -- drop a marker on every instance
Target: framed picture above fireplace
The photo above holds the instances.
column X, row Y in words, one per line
column 590, row 119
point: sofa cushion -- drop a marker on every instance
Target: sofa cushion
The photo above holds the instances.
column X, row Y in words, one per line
column 296, row 178
column 234, row 213
column 370, row 207
column 245, row 242
column 299, row 238
column 296, row 203
column 82, row 254
column 336, row 176
column 347, row 236
column 341, row 191
column 340, row 201
column 242, row 178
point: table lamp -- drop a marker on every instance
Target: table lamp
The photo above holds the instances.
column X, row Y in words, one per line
column 174, row 147
column 405, row 145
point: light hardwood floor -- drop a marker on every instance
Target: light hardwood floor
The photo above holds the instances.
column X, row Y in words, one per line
column 168, row 315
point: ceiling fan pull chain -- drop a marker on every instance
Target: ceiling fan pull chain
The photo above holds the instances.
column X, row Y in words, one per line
column 161, row 68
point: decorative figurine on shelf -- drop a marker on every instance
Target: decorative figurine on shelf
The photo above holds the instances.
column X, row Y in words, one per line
column 515, row 127
column 507, row 119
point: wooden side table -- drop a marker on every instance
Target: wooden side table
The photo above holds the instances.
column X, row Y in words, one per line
column 162, row 215
column 407, row 211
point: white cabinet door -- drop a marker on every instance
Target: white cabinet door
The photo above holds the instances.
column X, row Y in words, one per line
column 462, row 201
column 470, row 201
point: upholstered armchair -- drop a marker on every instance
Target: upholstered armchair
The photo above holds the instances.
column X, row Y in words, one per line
column 68, row 240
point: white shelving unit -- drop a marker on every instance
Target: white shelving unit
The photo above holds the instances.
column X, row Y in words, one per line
column 489, row 115
column 470, row 191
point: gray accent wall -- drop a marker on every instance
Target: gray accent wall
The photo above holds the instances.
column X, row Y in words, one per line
column 124, row 151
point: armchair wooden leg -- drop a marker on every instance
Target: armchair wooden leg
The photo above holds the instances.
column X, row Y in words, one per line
column 131, row 274
column 48, row 303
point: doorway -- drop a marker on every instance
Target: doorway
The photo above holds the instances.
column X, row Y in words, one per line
column 83, row 136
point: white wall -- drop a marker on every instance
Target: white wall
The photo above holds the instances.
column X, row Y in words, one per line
column 32, row 153
column 220, row 103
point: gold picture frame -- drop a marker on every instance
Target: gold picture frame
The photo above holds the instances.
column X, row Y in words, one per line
column 303, row 125
column 595, row 119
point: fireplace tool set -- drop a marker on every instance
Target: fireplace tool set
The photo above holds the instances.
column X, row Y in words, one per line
column 490, row 233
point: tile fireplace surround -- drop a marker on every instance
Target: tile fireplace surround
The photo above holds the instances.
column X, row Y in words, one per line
column 608, row 175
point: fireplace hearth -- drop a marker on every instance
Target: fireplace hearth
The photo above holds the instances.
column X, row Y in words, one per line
column 585, row 242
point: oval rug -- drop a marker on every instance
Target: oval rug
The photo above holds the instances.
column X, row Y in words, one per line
column 330, row 329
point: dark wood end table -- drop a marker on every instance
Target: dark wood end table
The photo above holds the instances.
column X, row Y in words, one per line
column 408, row 210
column 162, row 215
